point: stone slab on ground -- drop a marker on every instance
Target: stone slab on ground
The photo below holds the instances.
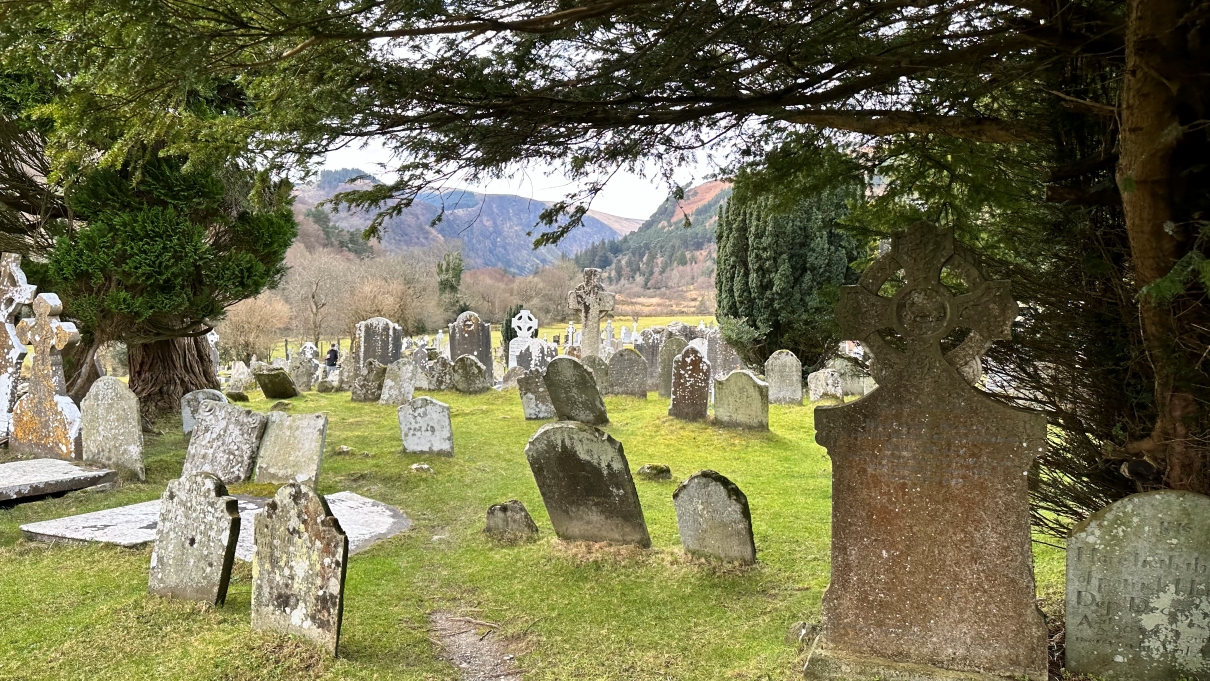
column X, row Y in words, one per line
column 38, row 477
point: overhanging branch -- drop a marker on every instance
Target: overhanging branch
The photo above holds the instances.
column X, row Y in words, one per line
column 881, row 123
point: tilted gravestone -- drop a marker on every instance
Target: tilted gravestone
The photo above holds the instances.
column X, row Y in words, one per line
column 195, row 539
column 469, row 335
column 574, row 393
column 377, row 338
column 225, row 440
column 690, row 386
column 713, row 518
column 190, row 402
column 741, row 400
column 535, row 399
column 648, row 345
column 592, row 301
column 1138, row 589
column 586, row 486
column 367, row 387
column 46, row 423
column 470, row 376
column 600, row 372
column 298, row 570
column 14, row 293
column 274, row 382
column 510, row 521
column 825, row 385
column 783, row 371
column 302, row 371
column 668, row 352
column 291, row 448
column 931, row 560
column 426, row 428
column 111, row 427
column 398, row 383
column 628, row 373
column 241, row 379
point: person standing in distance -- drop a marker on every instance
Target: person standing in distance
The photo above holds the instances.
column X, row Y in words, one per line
column 332, row 359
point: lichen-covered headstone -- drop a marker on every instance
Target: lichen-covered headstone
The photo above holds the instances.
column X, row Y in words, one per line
column 470, row 376
column 600, row 372
column 426, row 428
column 825, row 386
column 535, row 399
column 225, row 440
column 195, row 539
column 574, row 393
column 190, row 402
column 586, row 486
column 648, row 345
column 510, row 521
column 713, row 518
column 741, row 400
column 668, row 352
column 1138, row 589
column 592, row 301
column 39, row 477
column 274, row 382
column 398, row 384
column 111, row 427
column 14, row 293
column 298, row 570
column 628, row 373
column 291, row 448
column 367, row 386
column 690, row 386
column 241, row 379
column 469, row 335
column 377, row 338
column 435, row 373
column 783, row 371
column 302, row 371
column 722, row 357
column 931, row 552
column 46, row 423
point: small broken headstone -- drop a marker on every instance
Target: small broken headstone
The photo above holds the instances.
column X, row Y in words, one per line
column 654, row 472
column 783, row 371
column 628, row 373
column 509, row 380
column 574, row 392
column 241, row 379
column 292, row 448
column 436, row 373
column 225, row 441
column 690, row 385
column 825, row 386
column 302, row 371
column 713, row 518
column 195, row 540
column 470, row 376
column 535, row 399
column 421, row 468
column 668, row 352
column 398, row 383
column 274, row 382
column 189, row 403
column 741, row 400
column 112, row 431
column 425, row 426
column 510, row 521
column 367, row 387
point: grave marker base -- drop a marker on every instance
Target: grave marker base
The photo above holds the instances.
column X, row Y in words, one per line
column 834, row 665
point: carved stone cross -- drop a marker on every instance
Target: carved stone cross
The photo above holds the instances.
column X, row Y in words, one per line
column 525, row 324
column 931, row 565
column 45, row 421
column 14, row 292
column 592, row 301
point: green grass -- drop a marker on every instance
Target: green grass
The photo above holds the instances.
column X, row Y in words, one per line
column 569, row 611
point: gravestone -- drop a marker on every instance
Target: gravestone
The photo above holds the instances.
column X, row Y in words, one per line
column 586, row 486
column 215, row 361
column 471, row 336
column 309, row 350
column 46, row 423
column 535, row 399
column 855, row 381
column 690, row 386
column 195, row 539
column 303, row 370
column 225, row 441
column 783, row 371
column 525, row 325
column 573, row 392
column 592, row 301
column 509, row 379
column 702, row 347
column 367, row 387
column 377, row 338
column 470, row 376
column 931, row 562
column 655, row 472
column 426, row 428
column 14, row 293
column 825, row 386
column 274, row 382
column 648, row 345
column 510, row 521
column 600, row 372
column 713, row 518
column 741, row 400
column 190, row 402
column 398, row 384
column 722, row 357
column 668, row 352
column 437, row 372
column 291, row 448
column 682, row 330
column 39, row 477
column 298, row 572
column 536, row 356
column 572, row 351
column 241, row 379
column 1138, row 589
column 628, row 373
column 111, row 427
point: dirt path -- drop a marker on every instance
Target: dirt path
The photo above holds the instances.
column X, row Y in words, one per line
column 473, row 647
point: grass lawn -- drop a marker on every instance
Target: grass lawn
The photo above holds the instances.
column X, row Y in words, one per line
column 568, row 611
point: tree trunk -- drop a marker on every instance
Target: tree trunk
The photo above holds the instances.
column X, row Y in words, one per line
column 162, row 372
column 86, row 372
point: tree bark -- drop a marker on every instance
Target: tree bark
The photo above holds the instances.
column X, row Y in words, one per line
column 163, row 371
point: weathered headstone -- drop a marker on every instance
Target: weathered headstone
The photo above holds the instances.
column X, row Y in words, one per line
column 190, row 402
column 509, row 380
column 426, row 428
column 526, row 325
column 668, row 352
column 784, row 373
column 628, row 373
column 291, row 448
column 592, row 301
column 111, row 427
column 398, row 384
column 741, row 400
column 298, row 573
column 241, row 379
column 586, row 486
column 713, row 518
column 536, row 356
column 367, row 387
column 377, row 338
column 931, row 560
column 436, row 373
column 215, row 361
column 1138, row 589
column 722, row 357
column 225, row 441
column 309, row 350
column 469, row 335
column 195, row 540
column 39, row 477
column 470, row 376
column 303, row 370
column 600, row 372
column 14, row 293
column 274, row 382
column 648, row 344
column 573, row 351
column 535, row 399
column 683, row 331
column 573, row 391
column 46, row 423
column 690, row 385
column 855, row 381
column 824, row 385
column 510, row 521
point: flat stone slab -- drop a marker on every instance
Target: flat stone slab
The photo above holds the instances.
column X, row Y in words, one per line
column 37, row 477
column 364, row 520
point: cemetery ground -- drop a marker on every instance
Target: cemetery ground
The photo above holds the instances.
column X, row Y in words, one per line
column 564, row 610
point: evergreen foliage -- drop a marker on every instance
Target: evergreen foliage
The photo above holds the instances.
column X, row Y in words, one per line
column 449, row 281
column 507, row 333
column 336, row 237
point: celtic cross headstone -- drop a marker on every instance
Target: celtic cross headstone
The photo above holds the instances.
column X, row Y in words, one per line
column 931, row 564
column 14, row 292
column 592, row 301
column 526, row 325
column 46, row 422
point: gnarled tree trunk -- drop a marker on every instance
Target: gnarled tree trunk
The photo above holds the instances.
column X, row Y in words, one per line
column 163, row 371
